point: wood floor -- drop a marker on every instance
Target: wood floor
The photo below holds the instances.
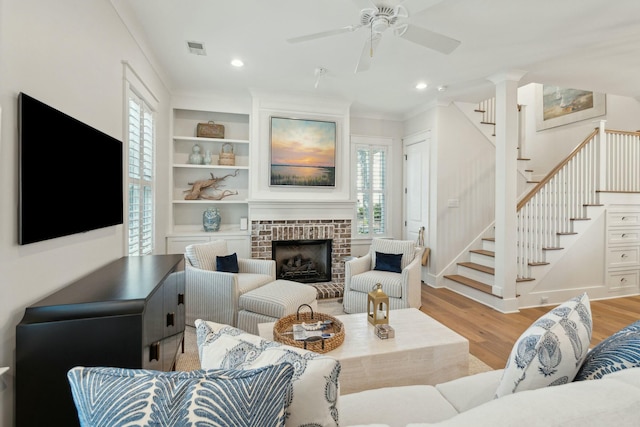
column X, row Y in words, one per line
column 491, row 334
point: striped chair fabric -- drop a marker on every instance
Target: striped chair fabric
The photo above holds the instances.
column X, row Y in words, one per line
column 214, row 295
column 402, row 288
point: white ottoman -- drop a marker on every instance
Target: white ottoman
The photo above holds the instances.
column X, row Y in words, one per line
column 272, row 301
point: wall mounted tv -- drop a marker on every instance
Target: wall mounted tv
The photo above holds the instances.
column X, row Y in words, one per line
column 71, row 174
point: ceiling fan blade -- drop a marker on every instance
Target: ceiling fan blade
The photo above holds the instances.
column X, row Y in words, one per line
column 347, row 29
column 416, row 6
column 370, row 45
column 429, row 39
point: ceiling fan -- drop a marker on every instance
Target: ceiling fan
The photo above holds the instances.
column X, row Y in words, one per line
column 383, row 16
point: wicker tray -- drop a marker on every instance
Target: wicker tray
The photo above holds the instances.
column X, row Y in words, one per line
column 283, row 331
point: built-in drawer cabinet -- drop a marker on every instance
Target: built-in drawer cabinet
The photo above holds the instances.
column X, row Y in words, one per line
column 623, row 248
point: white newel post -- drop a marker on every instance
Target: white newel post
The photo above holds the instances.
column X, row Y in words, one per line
column 602, row 157
column 522, row 131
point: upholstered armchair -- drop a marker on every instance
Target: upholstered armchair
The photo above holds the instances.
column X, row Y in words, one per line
column 393, row 263
column 214, row 281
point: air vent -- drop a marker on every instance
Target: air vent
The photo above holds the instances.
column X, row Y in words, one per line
column 197, row 48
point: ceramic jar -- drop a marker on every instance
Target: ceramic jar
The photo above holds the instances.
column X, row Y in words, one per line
column 211, row 219
column 195, row 158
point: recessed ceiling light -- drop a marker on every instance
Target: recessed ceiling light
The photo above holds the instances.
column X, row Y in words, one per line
column 421, row 86
column 237, row 63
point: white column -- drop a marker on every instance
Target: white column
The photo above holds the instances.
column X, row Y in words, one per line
column 506, row 182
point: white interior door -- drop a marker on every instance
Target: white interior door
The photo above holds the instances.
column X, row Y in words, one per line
column 416, row 179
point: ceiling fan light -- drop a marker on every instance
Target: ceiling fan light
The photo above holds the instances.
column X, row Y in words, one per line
column 379, row 25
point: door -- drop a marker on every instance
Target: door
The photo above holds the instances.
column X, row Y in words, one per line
column 416, row 191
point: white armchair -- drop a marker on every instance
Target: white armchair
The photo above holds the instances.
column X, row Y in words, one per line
column 403, row 287
column 213, row 295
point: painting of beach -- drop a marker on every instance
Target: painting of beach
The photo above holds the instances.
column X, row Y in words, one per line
column 303, row 152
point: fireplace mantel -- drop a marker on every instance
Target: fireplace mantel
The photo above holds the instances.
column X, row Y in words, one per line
column 302, row 210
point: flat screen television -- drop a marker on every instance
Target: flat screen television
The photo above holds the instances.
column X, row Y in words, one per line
column 71, row 174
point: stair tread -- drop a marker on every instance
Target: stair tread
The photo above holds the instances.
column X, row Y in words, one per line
column 483, row 252
column 489, row 239
column 579, row 219
column 483, row 287
column 534, row 264
column 525, row 279
column 479, row 267
column 523, row 158
column 552, row 248
column 566, row 233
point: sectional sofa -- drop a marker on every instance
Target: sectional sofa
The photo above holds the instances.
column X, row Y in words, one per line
column 552, row 378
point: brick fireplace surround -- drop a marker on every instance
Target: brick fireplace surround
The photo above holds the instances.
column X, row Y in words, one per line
column 263, row 232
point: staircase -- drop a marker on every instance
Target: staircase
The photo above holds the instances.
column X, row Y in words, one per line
column 554, row 212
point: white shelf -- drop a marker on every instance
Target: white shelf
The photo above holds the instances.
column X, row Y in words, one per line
column 190, row 166
column 194, row 230
column 209, row 202
column 200, row 139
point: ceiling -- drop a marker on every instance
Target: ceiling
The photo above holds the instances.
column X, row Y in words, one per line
column 582, row 44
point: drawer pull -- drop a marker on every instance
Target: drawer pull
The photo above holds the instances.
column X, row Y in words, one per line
column 171, row 319
column 623, row 280
column 154, row 351
column 623, row 235
column 624, row 218
column 180, row 299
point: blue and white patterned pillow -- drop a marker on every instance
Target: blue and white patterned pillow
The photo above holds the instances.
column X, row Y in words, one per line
column 313, row 397
column 619, row 351
column 136, row 397
column 551, row 350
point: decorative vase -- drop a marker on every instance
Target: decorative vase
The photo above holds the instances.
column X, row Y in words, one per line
column 207, row 157
column 195, row 158
column 211, row 219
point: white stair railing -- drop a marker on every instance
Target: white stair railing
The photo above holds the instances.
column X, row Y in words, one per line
column 561, row 197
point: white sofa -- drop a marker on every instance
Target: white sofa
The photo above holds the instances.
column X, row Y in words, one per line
column 550, row 379
column 613, row 400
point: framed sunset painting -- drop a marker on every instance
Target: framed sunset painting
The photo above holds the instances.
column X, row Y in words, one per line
column 303, row 152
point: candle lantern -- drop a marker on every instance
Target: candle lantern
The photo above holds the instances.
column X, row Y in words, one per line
column 378, row 306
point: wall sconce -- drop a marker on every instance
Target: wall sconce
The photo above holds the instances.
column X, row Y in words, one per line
column 377, row 306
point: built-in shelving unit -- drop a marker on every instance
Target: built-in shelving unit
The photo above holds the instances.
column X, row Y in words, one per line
column 186, row 215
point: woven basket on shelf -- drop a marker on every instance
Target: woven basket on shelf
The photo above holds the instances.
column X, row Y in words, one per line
column 227, row 157
column 283, row 331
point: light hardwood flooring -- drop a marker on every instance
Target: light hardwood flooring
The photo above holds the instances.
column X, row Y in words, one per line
column 491, row 334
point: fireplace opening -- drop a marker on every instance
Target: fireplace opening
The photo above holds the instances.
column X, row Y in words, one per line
column 304, row 261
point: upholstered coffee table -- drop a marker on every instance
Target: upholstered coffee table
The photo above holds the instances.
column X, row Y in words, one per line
column 423, row 351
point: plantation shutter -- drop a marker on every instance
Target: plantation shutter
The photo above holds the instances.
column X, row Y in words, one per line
column 141, row 144
column 371, row 188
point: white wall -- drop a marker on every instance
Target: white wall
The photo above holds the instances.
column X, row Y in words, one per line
column 68, row 54
column 462, row 170
column 466, row 173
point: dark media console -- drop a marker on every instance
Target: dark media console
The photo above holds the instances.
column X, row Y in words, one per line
column 129, row 313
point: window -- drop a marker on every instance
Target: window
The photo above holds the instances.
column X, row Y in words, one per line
column 371, row 189
column 141, row 141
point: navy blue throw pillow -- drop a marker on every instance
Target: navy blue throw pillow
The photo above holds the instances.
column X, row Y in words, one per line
column 227, row 263
column 388, row 262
